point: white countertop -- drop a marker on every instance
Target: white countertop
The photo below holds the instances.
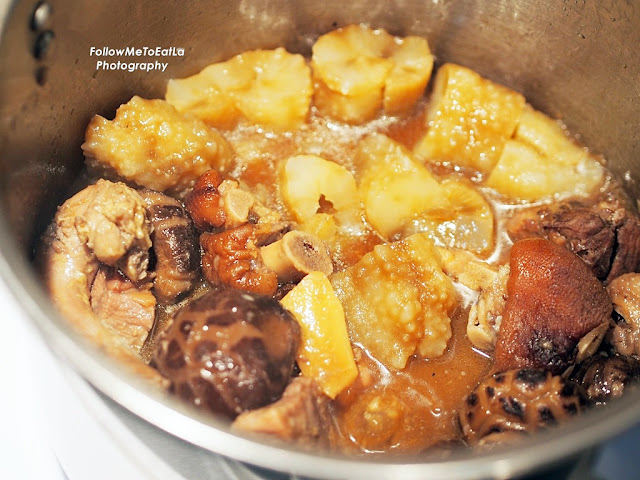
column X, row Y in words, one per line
column 25, row 451
column 46, row 430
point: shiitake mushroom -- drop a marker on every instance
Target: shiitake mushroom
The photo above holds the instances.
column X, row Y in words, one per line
column 605, row 376
column 229, row 351
column 511, row 404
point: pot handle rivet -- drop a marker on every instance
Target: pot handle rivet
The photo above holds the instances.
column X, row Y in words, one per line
column 41, row 15
column 42, row 44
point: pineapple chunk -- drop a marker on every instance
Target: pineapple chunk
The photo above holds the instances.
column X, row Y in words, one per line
column 470, row 118
column 152, row 145
column 401, row 197
column 358, row 71
column 397, row 301
column 308, row 180
column 541, row 163
column 267, row 87
column 325, row 352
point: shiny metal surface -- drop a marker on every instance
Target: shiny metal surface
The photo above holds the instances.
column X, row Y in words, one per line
column 575, row 59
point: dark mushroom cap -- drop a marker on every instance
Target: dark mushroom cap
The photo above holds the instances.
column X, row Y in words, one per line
column 229, row 351
column 509, row 404
column 604, row 377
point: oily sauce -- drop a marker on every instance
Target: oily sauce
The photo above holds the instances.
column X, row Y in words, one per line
column 408, row 411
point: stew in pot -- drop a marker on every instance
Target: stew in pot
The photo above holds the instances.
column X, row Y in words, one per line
column 344, row 252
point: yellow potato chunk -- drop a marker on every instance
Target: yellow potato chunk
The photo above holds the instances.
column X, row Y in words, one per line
column 397, row 301
column 309, row 180
column 412, row 67
column 271, row 88
column 325, row 352
column 470, row 118
column 401, row 197
column 322, row 225
column 466, row 221
column 201, row 96
column 358, row 71
column 541, row 162
column 152, row 145
column 394, row 187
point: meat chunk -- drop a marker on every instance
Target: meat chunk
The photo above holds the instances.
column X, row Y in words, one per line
column 104, row 224
column 627, row 256
column 229, row 351
column 485, row 315
column 296, row 255
column 625, row 294
column 605, row 235
column 127, row 307
column 109, row 219
column 301, row 415
column 233, row 258
column 175, row 244
column 553, row 300
column 604, row 377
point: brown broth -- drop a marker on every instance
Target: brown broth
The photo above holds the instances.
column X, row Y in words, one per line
column 408, row 411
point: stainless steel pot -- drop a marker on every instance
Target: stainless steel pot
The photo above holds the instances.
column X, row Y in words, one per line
column 575, row 59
